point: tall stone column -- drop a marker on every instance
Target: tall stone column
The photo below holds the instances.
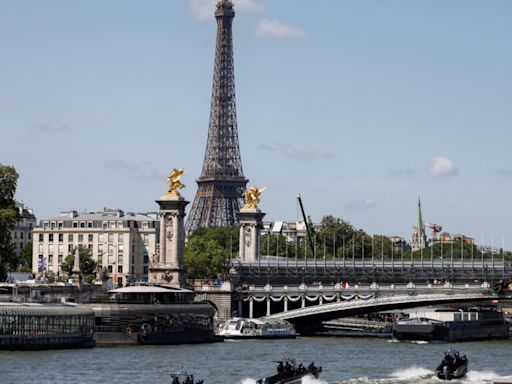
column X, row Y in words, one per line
column 250, row 233
column 168, row 267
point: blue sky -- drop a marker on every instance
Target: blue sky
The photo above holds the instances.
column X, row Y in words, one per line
column 359, row 105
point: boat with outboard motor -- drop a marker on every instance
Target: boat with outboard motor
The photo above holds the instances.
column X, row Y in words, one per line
column 288, row 372
column 183, row 377
column 243, row 328
column 453, row 366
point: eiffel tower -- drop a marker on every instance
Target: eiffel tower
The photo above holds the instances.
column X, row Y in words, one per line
column 222, row 182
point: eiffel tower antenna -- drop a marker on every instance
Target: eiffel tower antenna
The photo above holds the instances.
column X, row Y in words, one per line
column 222, row 182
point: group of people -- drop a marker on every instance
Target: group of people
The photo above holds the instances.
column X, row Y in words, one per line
column 287, row 370
column 452, row 360
column 188, row 380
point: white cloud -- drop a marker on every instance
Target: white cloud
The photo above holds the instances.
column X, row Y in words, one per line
column 249, row 6
column 302, row 152
column 441, row 166
column 361, row 204
column 505, row 172
column 276, row 29
column 136, row 171
column 204, row 9
column 52, row 127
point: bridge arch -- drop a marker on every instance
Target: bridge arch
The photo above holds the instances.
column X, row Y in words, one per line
column 308, row 319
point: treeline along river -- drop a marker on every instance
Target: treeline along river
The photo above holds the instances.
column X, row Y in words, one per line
column 344, row 360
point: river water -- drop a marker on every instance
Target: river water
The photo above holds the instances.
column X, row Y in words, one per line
column 344, row 360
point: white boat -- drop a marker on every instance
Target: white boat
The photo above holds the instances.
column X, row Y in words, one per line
column 243, row 328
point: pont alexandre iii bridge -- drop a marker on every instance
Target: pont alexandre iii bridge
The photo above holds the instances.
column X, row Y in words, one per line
column 307, row 292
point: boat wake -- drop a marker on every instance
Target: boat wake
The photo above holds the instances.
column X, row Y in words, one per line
column 420, row 375
column 410, row 375
column 305, row 380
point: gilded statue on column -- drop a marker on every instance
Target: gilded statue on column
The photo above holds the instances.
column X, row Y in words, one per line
column 174, row 182
column 252, row 197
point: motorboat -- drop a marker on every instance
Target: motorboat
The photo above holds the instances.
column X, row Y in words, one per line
column 183, row 377
column 243, row 328
column 453, row 366
column 288, row 372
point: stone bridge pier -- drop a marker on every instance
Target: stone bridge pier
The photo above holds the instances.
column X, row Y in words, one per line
column 220, row 296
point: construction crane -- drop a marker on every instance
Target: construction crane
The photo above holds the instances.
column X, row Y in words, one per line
column 307, row 225
column 436, row 228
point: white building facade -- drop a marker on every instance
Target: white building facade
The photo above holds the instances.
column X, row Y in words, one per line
column 123, row 243
column 21, row 234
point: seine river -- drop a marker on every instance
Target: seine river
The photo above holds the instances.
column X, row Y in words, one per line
column 344, row 360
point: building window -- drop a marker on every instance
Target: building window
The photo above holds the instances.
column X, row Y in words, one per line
column 50, row 259
column 110, row 248
column 145, row 225
column 61, row 237
column 21, row 235
column 70, row 248
column 52, row 225
column 146, row 259
column 100, row 259
column 60, row 259
column 101, row 238
column 112, row 224
column 120, row 238
column 50, row 237
column 119, row 269
column 89, row 224
column 80, row 238
column 61, row 248
column 119, row 224
column 45, row 225
column 75, row 224
column 89, row 247
column 30, row 236
column 105, row 225
column 120, row 248
column 40, row 248
column 109, row 269
column 100, row 248
column 41, row 237
column 70, row 237
column 82, row 224
column 110, row 237
column 50, row 248
column 120, row 259
column 146, row 239
column 89, row 238
column 60, row 225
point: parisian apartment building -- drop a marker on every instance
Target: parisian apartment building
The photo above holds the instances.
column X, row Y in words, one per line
column 122, row 242
column 21, row 234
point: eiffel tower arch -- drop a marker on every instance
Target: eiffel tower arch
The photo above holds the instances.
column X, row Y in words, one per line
column 222, row 182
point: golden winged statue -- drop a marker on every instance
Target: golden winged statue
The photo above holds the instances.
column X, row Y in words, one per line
column 174, row 182
column 252, row 197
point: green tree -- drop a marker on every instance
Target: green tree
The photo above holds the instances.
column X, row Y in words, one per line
column 209, row 250
column 226, row 237
column 25, row 261
column 87, row 265
column 276, row 245
column 8, row 217
column 206, row 258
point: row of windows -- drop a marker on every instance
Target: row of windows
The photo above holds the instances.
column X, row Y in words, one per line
column 50, row 261
column 90, row 224
column 110, row 248
column 21, row 235
column 90, row 237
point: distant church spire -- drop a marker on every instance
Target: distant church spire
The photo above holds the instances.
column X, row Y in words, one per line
column 419, row 219
column 418, row 238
